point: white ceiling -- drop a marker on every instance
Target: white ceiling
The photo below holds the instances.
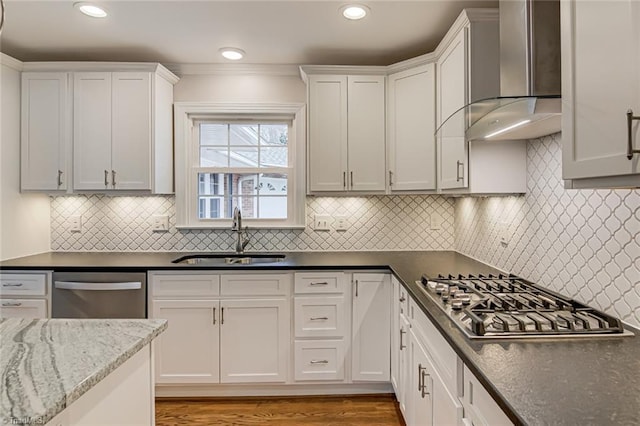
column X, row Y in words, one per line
column 271, row 32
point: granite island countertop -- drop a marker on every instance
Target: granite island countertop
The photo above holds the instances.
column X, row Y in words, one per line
column 47, row 364
column 535, row 381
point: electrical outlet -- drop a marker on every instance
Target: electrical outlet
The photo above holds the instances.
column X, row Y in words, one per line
column 503, row 230
column 340, row 223
column 75, row 223
column 321, row 222
column 435, row 221
column 160, row 223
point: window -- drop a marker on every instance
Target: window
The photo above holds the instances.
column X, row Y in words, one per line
column 245, row 160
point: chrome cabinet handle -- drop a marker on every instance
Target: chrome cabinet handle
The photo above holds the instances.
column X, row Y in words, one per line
column 12, row 284
column 221, row 316
column 59, row 178
column 319, row 283
column 214, row 316
column 423, row 393
column 356, row 288
column 106, row 179
column 402, row 299
column 12, row 304
column 319, row 361
column 459, row 177
column 318, row 319
column 420, row 376
column 402, row 332
column 344, row 180
column 390, row 178
column 113, row 178
column 630, row 150
column 351, row 175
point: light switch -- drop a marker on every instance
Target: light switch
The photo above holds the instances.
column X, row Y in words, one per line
column 321, row 222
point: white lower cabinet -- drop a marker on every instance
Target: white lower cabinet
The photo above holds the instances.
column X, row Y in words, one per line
column 24, row 294
column 319, row 360
column 371, row 327
column 214, row 339
column 479, row 408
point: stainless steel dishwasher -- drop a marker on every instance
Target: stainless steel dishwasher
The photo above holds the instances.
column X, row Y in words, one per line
column 99, row 295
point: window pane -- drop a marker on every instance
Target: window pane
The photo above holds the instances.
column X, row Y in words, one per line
column 209, row 207
column 248, row 206
column 211, row 184
column 273, row 207
column 243, row 157
column 244, row 134
column 273, row 157
column 241, row 184
column 214, row 134
column 214, row 157
column 274, row 134
column 272, row 184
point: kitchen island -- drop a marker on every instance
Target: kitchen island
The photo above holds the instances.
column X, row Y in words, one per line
column 54, row 371
column 534, row 381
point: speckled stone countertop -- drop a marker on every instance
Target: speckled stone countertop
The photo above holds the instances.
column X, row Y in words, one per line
column 47, row 364
column 585, row 381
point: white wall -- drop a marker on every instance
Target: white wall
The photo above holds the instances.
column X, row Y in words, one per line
column 24, row 218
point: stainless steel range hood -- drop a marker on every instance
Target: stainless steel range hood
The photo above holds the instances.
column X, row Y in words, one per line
column 529, row 105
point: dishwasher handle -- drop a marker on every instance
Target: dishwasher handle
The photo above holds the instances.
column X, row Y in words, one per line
column 70, row 285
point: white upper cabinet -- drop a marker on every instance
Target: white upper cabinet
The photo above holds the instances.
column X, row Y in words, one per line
column 600, row 85
column 113, row 119
column 45, row 133
column 468, row 70
column 410, row 129
column 346, row 133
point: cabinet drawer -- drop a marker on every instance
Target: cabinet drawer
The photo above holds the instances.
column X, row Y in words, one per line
column 443, row 355
column 23, row 308
column 185, row 285
column 319, row 316
column 254, row 284
column 319, row 282
column 403, row 301
column 23, row 284
column 319, row 360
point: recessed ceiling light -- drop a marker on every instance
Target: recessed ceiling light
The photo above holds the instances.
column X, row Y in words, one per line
column 91, row 10
column 232, row 53
column 354, row 11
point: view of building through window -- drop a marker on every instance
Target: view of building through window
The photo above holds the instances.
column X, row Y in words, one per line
column 244, row 165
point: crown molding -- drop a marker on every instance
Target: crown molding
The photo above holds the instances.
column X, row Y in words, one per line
column 11, row 62
column 466, row 17
column 425, row 59
column 63, row 66
column 282, row 70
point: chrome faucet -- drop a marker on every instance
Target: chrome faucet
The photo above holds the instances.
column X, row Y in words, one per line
column 241, row 235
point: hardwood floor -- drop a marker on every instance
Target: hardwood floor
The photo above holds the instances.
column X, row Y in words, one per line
column 379, row 410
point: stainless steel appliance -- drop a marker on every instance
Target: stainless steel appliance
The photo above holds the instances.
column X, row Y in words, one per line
column 99, row 295
column 506, row 306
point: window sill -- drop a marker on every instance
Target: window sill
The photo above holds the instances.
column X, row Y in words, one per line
column 248, row 227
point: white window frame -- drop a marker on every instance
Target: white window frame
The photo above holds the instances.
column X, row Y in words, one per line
column 187, row 160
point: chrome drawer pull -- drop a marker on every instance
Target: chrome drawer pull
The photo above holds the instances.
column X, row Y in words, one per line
column 59, row 178
column 318, row 319
column 402, row 346
column 420, row 376
column 458, row 176
column 12, row 285
column 319, row 361
column 402, row 299
column 106, row 179
column 422, row 391
column 11, row 304
column 630, row 150
column 319, row 283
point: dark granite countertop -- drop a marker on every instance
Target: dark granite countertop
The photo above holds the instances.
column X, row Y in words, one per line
column 593, row 381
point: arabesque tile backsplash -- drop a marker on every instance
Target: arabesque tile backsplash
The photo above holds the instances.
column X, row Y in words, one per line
column 582, row 243
column 375, row 223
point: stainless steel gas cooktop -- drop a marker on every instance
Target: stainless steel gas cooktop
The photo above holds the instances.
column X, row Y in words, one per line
column 506, row 306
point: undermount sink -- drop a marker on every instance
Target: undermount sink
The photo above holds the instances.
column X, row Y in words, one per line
column 229, row 258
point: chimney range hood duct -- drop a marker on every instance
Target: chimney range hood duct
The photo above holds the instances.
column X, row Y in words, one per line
column 529, row 105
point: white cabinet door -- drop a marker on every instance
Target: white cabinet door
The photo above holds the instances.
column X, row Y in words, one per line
column 479, row 407
column 421, row 404
column 92, row 130
column 23, row 308
column 452, row 95
column 410, row 128
column 404, row 366
column 254, row 340
column 395, row 336
column 600, row 83
column 188, row 351
column 366, row 147
column 371, row 327
column 328, row 133
column 131, row 130
column 45, row 132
